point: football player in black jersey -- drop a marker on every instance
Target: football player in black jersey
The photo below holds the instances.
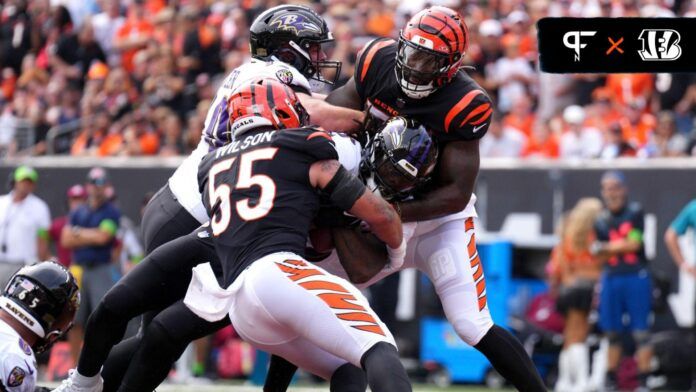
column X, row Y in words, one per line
column 420, row 76
column 175, row 326
column 286, row 42
column 262, row 193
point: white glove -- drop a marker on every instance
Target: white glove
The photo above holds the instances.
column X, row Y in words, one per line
column 396, row 256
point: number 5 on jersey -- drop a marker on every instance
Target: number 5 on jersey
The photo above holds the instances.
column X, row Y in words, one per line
column 245, row 179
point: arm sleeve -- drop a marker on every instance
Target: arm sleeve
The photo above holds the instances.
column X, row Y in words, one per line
column 637, row 223
column 682, row 222
column 44, row 217
column 110, row 223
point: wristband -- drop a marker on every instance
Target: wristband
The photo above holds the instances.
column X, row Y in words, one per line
column 396, row 255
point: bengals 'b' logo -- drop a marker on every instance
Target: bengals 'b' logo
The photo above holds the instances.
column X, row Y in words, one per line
column 660, row 45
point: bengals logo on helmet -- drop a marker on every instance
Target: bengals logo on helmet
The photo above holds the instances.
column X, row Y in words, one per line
column 265, row 102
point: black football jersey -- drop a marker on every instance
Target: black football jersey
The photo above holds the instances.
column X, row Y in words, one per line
column 258, row 195
column 460, row 110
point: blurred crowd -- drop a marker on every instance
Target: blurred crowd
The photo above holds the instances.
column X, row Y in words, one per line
column 136, row 77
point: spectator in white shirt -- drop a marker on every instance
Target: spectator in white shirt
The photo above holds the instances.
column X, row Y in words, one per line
column 502, row 142
column 578, row 140
column 24, row 223
column 665, row 141
column 511, row 73
column 105, row 25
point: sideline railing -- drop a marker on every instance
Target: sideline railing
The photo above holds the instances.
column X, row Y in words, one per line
column 63, row 130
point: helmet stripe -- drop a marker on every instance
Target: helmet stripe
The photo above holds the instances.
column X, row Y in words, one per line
column 454, row 46
column 460, row 106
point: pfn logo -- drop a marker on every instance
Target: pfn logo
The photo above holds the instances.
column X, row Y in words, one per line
column 575, row 44
column 660, row 45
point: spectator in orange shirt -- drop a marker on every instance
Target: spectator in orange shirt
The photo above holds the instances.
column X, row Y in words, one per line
column 518, row 24
column 626, row 88
column 637, row 125
column 94, row 133
column 380, row 21
column 201, row 45
column 134, row 35
column 602, row 112
column 521, row 116
column 140, row 138
column 542, row 142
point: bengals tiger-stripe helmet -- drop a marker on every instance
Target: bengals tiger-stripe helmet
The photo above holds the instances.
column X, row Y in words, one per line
column 430, row 52
column 264, row 103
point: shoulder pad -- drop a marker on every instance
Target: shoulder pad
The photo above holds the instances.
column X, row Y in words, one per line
column 313, row 142
column 469, row 117
column 367, row 54
column 292, row 77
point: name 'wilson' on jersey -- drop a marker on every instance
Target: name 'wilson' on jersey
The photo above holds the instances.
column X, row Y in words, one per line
column 258, row 194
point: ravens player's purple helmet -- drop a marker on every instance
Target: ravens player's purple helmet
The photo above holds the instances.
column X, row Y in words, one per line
column 44, row 298
column 294, row 34
column 400, row 158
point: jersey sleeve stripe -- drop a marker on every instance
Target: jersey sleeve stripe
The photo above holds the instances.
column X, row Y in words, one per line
column 319, row 134
column 483, row 117
column 480, row 108
column 370, row 54
column 460, row 106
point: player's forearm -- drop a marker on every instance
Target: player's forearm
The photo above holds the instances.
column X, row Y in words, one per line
column 332, row 117
column 384, row 221
column 42, row 248
column 387, row 227
column 345, row 96
column 672, row 243
column 440, row 202
column 620, row 247
column 94, row 237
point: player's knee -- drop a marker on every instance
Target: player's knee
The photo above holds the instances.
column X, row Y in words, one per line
column 642, row 338
column 104, row 316
column 381, row 354
column 158, row 337
column 472, row 330
column 614, row 338
column 348, row 378
column 384, row 369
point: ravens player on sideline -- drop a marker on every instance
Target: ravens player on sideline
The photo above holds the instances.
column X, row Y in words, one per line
column 286, row 44
column 37, row 307
column 262, row 195
column 419, row 76
column 166, row 337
